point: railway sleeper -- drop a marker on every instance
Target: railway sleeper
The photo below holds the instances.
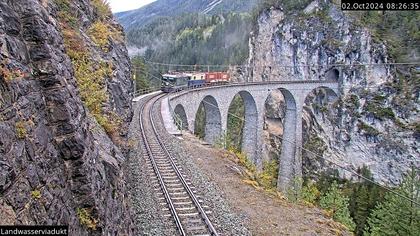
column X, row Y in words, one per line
column 193, row 214
column 179, row 198
column 168, row 173
column 163, row 164
column 196, row 220
column 166, row 168
column 172, row 181
column 170, row 177
column 200, row 228
column 193, row 208
column 179, row 193
column 162, row 161
column 175, row 189
column 183, row 204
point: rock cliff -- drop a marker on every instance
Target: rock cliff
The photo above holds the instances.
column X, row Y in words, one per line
column 375, row 120
column 65, row 105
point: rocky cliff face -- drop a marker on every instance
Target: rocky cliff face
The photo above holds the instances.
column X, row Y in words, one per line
column 61, row 147
column 374, row 122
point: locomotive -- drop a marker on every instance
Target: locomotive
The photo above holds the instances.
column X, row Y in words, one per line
column 177, row 81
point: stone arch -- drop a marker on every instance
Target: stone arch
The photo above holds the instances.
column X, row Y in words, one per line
column 332, row 75
column 249, row 132
column 180, row 117
column 213, row 119
column 288, row 151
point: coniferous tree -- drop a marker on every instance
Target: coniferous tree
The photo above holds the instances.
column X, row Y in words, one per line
column 335, row 202
column 361, row 207
column 141, row 72
column 397, row 215
column 363, row 196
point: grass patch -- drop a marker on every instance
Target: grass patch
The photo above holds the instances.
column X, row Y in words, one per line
column 90, row 75
column 102, row 8
column 20, row 128
column 36, row 194
column 101, row 33
column 86, row 219
column 266, row 179
column 8, row 73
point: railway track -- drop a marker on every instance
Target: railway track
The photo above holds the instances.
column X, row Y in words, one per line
column 176, row 194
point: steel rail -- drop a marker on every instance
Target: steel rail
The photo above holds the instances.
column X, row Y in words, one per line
column 184, row 182
column 157, row 172
column 186, row 187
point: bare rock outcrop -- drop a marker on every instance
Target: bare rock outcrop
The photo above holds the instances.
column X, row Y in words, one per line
column 57, row 164
column 375, row 121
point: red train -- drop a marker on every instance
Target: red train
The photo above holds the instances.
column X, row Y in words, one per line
column 212, row 77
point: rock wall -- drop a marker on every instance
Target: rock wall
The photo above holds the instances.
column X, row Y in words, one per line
column 57, row 164
column 375, row 121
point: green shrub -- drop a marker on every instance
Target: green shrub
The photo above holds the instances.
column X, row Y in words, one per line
column 381, row 113
column 294, row 193
column 200, row 122
column 416, row 127
column 310, row 193
column 376, row 107
column 315, row 145
column 268, row 177
column 353, row 100
column 369, row 130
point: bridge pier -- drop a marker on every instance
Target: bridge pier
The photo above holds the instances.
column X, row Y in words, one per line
column 298, row 142
column 217, row 101
column 290, row 163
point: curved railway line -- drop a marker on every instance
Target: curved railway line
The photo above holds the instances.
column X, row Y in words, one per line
column 177, row 196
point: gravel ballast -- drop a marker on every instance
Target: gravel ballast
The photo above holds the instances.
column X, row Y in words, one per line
column 149, row 217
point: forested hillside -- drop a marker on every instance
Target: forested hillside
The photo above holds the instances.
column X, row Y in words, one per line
column 143, row 16
column 194, row 39
column 193, row 32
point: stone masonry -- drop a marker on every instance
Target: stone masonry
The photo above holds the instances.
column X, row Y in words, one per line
column 217, row 99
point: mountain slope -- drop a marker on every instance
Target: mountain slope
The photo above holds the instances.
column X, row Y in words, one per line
column 61, row 161
column 148, row 13
column 375, row 122
column 194, row 39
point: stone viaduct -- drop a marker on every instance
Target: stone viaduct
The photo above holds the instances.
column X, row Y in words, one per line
column 217, row 99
